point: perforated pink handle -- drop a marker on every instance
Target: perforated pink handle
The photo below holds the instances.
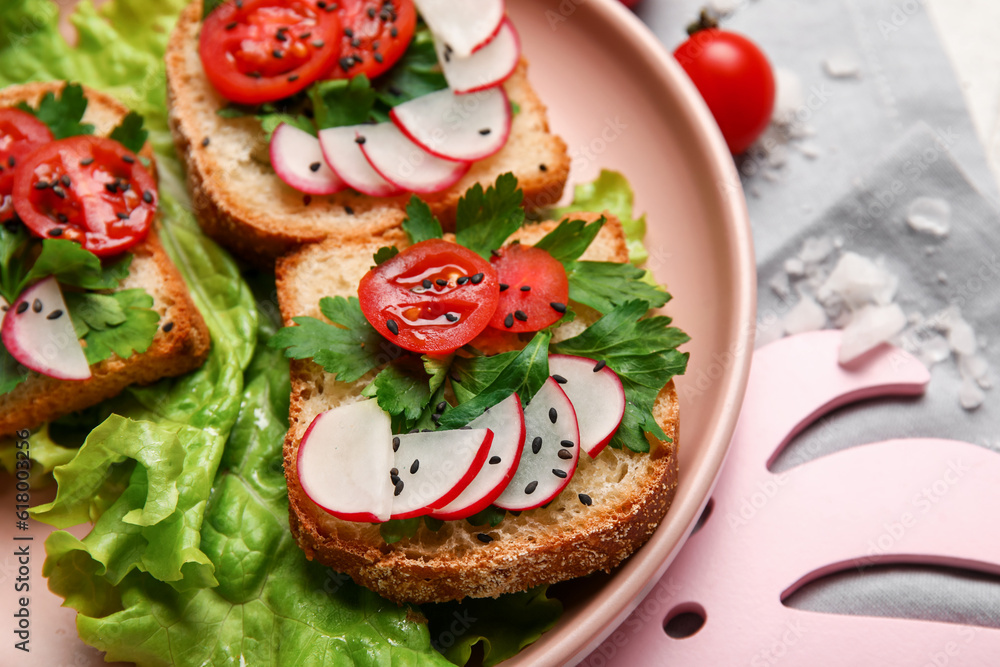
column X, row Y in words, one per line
column 900, row 501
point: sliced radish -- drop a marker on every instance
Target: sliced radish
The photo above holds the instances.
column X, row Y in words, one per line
column 464, row 25
column 466, row 127
column 489, row 66
column 405, row 164
column 551, row 450
column 341, row 455
column 298, row 160
column 506, row 420
column 597, row 396
column 38, row 332
column 343, row 153
column 431, row 468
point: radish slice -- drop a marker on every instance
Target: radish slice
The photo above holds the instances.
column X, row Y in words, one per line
column 343, row 153
column 405, row 164
column 466, row 127
column 341, row 453
column 597, row 396
column 298, row 160
column 464, row 25
column 506, row 420
column 431, row 468
column 489, row 66
column 38, row 333
column 551, row 451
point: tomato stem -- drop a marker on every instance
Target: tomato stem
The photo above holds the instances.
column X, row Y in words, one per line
column 706, row 21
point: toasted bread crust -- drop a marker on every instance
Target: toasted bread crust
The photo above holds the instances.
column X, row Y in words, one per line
column 261, row 233
column 588, row 539
column 40, row 398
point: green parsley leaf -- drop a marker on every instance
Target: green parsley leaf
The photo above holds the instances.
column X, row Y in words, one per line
column 120, row 323
column 12, row 373
column 384, row 254
column 433, row 525
column 130, row 133
column 484, row 220
column 350, row 347
column 643, row 351
column 341, row 102
column 72, row 265
column 63, row 115
column 515, row 108
column 606, row 285
column 396, row 529
column 524, row 374
column 415, row 74
column 437, row 368
column 14, row 253
column 472, row 375
column 570, row 239
column 210, row 6
column 401, row 390
column 420, row 224
column 491, row 516
column 270, row 122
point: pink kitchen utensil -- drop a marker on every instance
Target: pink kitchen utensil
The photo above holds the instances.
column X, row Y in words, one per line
column 915, row 500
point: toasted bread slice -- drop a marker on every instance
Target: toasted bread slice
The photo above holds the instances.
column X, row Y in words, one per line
column 243, row 205
column 180, row 345
column 630, row 492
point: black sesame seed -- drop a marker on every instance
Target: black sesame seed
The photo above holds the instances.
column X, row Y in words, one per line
column 378, row 57
column 392, row 326
column 360, row 140
column 355, row 42
column 306, row 200
column 441, row 406
column 371, row 12
column 321, row 4
column 319, row 44
column 494, row 460
column 314, row 167
column 230, row 26
column 293, row 78
column 147, row 197
column 168, row 327
column 451, row 317
column 426, row 283
column 394, row 31
column 254, row 75
column 521, row 315
column 485, row 131
column 399, row 488
column 54, row 315
column 357, row 59
column 111, row 187
column 122, row 216
column 484, row 538
column 585, row 499
column 415, row 467
column 376, row 44
column 504, row 287
column 558, row 307
column 553, row 415
column 86, row 162
column 508, row 321
column 542, row 167
column 59, row 192
column 455, row 378
column 305, row 35
column 461, row 280
column 395, row 443
column 348, row 210
column 277, row 53
column 56, row 231
column 281, row 37
column 123, row 186
column 566, row 443
column 128, row 159
column 562, row 474
column 348, row 32
column 37, row 305
column 239, row 4
column 395, row 91
column 41, row 185
column 600, row 365
column 11, row 161
column 346, row 63
column 536, row 444
column 477, row 278
column 560, row 379
column 21, row 307
column 435, row 418
column 525, row 288
column 65, row 180
column 441, row 282
column 530, row 488
column 564, row 454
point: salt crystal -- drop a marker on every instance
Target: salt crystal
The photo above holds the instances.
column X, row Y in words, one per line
column 777, row 156
column 869, row 327
column 942, row 277
column 809, row 149
column 842, row 66
column 794, row 267
column 779, row 285
column 771, row 175
column 970, row 395
column 838, row 242
column 961, row 337
column 973, row 366
column 789, row 96
column 934, row 350
column 857, row 281
column 806, row 315
column 815, row 249
column 929, row 215
column 929, row 250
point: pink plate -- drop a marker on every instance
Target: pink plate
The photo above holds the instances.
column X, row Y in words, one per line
column 620, row 102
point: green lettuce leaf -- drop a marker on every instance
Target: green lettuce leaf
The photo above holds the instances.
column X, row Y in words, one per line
column 12, row 373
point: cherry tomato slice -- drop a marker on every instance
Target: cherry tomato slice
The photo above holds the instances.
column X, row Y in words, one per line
column 258, row 51
column 533, row 289
column 433, row 297
column 376, row 34
column 86, row 189
column 736, row 81
column 20, row 133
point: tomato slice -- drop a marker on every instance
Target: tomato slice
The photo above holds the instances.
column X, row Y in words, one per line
column 86, row 189
column 376, row 34
column 533, row 289
column 432, row 298
column 20, row 133
column 257, row 51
